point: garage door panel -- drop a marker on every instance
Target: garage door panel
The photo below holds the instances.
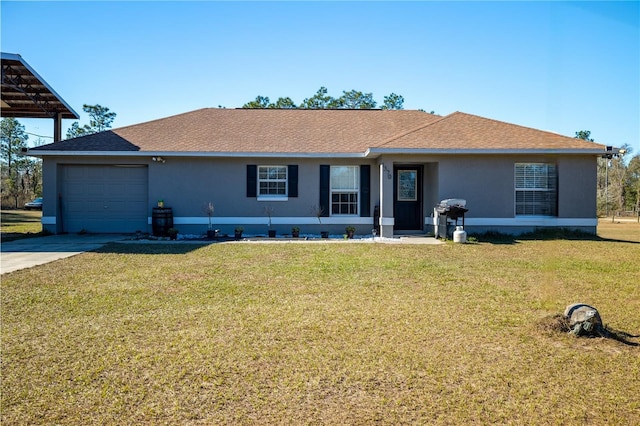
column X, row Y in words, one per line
column 122, row 209
column 74, row 173
column 75, row 192
column 94, row 192
column 137, row 190
column 95, row 207
column 115, row 191
column 96, row 173
column 74, row 207
column 105, row 198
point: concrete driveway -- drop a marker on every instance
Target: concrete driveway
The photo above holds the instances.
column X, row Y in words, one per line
column 30, row 252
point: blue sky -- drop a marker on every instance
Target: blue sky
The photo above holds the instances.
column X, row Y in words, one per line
column 558, row 66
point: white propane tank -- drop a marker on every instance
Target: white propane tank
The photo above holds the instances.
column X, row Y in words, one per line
column 459, row 235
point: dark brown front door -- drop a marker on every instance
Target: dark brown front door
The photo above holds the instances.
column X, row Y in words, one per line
column 407, row 181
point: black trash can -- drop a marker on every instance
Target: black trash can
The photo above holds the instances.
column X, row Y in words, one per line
column 161, row 221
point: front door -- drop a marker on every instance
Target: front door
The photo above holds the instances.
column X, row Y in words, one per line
column 407, row 207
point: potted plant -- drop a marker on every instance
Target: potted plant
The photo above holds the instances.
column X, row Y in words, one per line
column 172, row 233
column 238, row 232
column 268, row 210
column 318, row 211
column 209, row 209
column 295, row 232
column 350, row 230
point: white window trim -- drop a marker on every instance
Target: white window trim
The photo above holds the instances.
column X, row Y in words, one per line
column 516, row 189
column 272, row 197
column 357, row 192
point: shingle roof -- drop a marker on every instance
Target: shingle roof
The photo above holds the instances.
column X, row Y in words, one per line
column 293, row 131
column 471, row 132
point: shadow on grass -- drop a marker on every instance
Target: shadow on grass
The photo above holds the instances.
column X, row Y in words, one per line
column 621, row 336
column 169, row 247
column 20, row 216
column 14, row 236
column 548, row 234
column 19, row 224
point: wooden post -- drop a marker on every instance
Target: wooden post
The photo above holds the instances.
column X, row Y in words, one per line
column 57, row 127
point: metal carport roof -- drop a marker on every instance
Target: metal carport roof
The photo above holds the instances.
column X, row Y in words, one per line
column 27, row 95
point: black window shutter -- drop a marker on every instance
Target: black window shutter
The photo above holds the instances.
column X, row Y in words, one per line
column 325, row 176
column 365, row 190
column 293, row 180
column 252, row 180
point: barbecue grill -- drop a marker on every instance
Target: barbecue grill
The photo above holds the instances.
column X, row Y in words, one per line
column 447, row 214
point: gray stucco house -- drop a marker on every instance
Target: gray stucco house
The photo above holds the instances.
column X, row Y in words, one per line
column 353, row 164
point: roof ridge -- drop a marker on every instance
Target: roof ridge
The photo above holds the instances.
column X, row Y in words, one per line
column 408, row 132
column 315, row 109
column 163, row 118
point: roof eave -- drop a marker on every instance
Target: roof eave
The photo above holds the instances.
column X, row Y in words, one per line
column 369, row 153
column 375, row 152
column 51, row 153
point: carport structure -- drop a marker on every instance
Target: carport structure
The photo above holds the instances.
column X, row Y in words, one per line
column 27, row 95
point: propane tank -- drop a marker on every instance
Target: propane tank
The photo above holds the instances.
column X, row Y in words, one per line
column 459, row 235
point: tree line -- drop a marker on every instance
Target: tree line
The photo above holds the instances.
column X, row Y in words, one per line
column 352, row 99
column 21, row 175
column 618, row 184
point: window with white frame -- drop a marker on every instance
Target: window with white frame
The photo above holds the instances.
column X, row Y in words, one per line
column 536, row 189
column 272, row 181
column 345, row 188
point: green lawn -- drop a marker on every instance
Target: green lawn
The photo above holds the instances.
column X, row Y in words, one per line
column 322, row 333
column 20, row 223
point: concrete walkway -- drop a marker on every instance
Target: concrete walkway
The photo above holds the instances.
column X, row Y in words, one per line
column 28, row 252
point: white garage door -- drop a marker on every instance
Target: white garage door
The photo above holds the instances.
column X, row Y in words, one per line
column 104, row 199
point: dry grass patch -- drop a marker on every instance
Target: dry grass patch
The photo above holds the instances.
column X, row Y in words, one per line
column 556, row 323
column 322, row 334
column 621, row 229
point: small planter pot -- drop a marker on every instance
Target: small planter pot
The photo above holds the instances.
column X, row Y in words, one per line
column 324, row 234
column 295, row 234
column 212, row 234
column 272, row 233
column 172, row 233
column 238, row 235
column 350, row 234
